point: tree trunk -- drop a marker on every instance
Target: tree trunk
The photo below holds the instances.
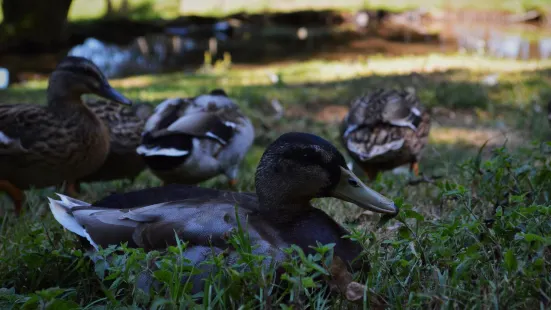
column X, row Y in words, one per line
column 109, row 11
column 33, row 25
column 125, row 7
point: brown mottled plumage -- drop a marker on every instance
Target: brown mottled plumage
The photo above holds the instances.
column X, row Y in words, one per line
column 385, row 129
column 44, row 145
column 294, row 169
column 125, row 125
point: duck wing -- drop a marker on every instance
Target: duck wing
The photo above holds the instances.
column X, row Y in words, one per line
column 202, row 124
column 200, row 222
column 402, row 109
column 379, row 123
column 177, row 139
column 124, row 124
column 166, row 113
column 172, row 192
column 21, row 127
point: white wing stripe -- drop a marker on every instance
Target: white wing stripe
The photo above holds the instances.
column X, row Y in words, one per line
column 416, row 111
column 230, row 124
column 5, row 139
column 217, row 138
column 158, row 151
column 377, row 149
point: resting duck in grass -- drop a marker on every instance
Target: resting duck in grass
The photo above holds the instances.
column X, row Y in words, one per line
column 44, row 145
column 293, row 170
column 385, row 129
column 191, row 140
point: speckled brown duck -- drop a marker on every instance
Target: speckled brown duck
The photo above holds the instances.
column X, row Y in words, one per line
column 44, row 145
column 385, row 129
column 125, row 125
column 293, row 170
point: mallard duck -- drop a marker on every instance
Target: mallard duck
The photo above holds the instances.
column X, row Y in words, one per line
column 125, row 126
column 42, row 146
column 385, row 129
column 191, row 140
column 293, row 170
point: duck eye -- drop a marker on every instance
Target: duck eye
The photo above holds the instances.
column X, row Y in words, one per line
column 353, row 182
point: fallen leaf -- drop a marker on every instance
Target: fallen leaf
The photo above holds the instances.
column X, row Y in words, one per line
column 355, row 291
column 340, row 277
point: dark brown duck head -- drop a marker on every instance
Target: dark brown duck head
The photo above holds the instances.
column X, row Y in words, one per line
column 76, row 76
column 298, row 167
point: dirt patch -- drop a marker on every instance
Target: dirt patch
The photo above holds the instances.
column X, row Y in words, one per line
column 331, row 114
column 476, row 136
column 468, row 127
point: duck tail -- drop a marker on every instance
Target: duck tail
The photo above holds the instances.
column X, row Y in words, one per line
column 172, row 145
column 61, row 210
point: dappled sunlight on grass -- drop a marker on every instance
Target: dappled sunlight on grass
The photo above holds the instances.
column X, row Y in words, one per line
column 157, row 87
column 476, row 137
column 380, row 65
column 442, row 239
column 136, row 81
column 84, row 9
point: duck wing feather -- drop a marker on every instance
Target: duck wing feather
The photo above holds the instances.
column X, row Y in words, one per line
column 201, row 124
column 198, row 221
column 124, row 124
column 15, row 135
column 379, row 124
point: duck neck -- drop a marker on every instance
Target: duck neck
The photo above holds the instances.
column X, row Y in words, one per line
column 280, row 200
column 63, row 96
column 68, row 105
column 284, row 213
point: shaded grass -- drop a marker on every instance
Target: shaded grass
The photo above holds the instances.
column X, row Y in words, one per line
column 479, row 237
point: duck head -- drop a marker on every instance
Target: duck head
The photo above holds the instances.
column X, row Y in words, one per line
column 76, row 76
column 299, row 166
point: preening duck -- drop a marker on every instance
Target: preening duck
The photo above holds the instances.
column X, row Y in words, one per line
column 43, row 146
column 293, row 170
column 191, row 140
column 385, row 129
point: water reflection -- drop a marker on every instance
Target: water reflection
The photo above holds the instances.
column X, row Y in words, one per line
column 147, row 54
column 185, row 45
column 545, row 47
column 503, row 44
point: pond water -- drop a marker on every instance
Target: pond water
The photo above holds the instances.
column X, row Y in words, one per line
column 516, row 41
column 229, row 41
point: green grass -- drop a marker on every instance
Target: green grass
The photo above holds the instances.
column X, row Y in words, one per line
column 480, row 237
column 169, row 8
column 147, row 9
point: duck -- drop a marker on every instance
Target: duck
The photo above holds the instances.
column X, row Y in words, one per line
column 191, row 140
column 125, row 125
column 294, row 169
column 385, row 129
column 44, row 145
